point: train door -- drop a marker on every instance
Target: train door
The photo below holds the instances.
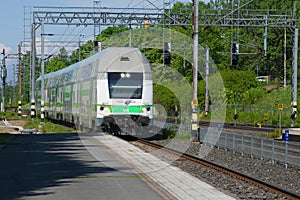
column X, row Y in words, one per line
column 75, row 104
column 67, row 102
column 59, row 103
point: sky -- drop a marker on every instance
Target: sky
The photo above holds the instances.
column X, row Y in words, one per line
column 14, row 17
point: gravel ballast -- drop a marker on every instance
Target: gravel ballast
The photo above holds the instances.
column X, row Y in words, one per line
column 273, row 173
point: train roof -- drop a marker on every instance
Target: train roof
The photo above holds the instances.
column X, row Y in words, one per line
column 111, row 57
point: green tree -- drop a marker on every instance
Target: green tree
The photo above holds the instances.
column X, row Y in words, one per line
column 57, row 62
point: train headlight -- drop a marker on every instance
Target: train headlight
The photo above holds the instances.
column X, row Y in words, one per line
column 125, row 75
column 104, row 110
column 146, row 110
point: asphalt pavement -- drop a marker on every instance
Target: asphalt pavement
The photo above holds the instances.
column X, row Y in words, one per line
column 59, row 166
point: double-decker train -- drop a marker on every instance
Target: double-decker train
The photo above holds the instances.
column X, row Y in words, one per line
column 112, row 89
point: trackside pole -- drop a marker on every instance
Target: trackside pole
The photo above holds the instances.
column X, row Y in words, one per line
column 295, row 80
column 32, row 109
column 195, row 123
column 42, row 112
column 195, row 107
column 19, row 109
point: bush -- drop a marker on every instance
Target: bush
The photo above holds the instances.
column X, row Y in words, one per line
column 169, row 133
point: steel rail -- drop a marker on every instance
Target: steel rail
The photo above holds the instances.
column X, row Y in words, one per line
column 246, row 178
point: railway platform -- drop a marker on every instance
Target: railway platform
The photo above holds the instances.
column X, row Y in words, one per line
column 175, row 183
column 294, row 134
column 58, row 166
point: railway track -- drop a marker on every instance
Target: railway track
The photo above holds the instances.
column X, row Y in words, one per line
column 184, row 158
column 244, row 127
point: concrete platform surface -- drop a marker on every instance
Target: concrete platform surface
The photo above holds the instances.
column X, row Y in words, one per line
column 176, row 182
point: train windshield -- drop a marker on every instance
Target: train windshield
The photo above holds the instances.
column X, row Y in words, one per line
column 125, row 85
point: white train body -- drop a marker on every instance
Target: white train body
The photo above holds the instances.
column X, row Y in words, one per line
column 113, row 86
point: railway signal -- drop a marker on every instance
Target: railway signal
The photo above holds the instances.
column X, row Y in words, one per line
column 234, row 53
column 294, row 111
column 280, row 108
column 167, row 53
column 96, row 46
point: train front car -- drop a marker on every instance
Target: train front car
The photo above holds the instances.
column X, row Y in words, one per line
column 124, row 91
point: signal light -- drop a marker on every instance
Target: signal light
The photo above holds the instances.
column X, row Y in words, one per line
column 234, row 54
column 167, row 53
column 96, row 46
column 293, row 115
column 294, row 111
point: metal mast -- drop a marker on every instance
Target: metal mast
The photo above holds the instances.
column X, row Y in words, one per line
column 195, row 106
column 295, row 66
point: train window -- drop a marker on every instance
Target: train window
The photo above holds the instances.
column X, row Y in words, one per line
column 53, row 81
column 124, row 59
column 58, row 78
column 47, row 82
column 66, row 77
column 125, row 85
column 74, row 74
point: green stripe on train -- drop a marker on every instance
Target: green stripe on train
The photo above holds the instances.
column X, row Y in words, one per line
column 125, row 109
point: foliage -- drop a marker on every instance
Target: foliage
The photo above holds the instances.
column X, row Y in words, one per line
column 169, row 133
column 111, row 31
column 171, row 89
column 251, row 39
column 58, row 62
column 238, row 81
column 9, row 115
column 264, row 110
column 164, row 96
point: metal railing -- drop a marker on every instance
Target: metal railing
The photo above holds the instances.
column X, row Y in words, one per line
column 276, row 150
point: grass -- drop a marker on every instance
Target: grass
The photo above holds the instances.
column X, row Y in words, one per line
column 47, row 127
column 183, row 136
column 9, row 115
column 273, row 135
